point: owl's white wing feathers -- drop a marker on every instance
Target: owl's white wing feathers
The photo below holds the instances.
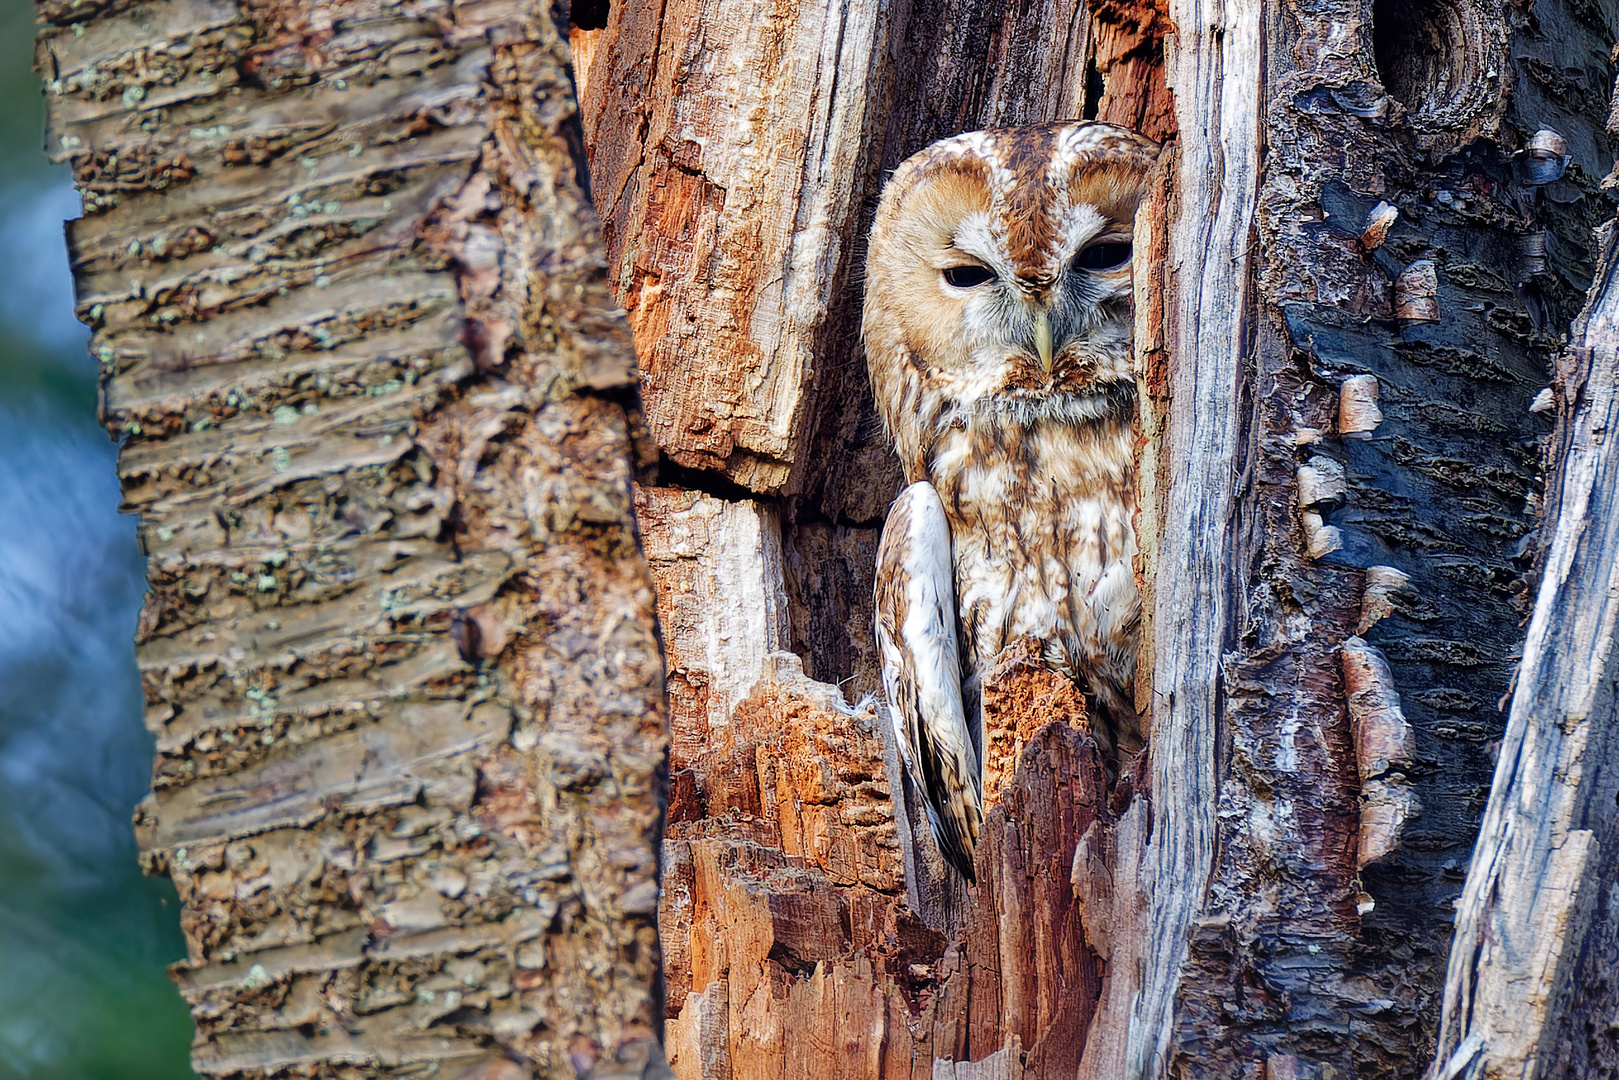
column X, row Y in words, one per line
column 921, row 662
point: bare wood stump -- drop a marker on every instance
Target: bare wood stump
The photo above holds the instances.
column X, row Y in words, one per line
column 791, row 949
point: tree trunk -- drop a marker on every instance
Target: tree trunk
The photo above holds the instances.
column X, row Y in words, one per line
column 1530, row 991
column 1381, row 609
column 1339, row 482
column 417, row 823
column 398, row 647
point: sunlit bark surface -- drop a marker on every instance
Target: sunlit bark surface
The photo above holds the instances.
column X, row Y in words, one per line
column 398, row 649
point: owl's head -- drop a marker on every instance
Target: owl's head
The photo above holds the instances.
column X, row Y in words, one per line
column 999, row 272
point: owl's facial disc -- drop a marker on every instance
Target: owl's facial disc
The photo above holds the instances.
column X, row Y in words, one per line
column 1060, row 327
column 998, row 279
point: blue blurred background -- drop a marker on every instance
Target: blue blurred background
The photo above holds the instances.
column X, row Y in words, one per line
column 84, row 938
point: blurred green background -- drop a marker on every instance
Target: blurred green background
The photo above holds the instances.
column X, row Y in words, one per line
column 84, row 938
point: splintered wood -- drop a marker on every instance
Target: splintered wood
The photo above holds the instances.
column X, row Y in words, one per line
column 785, row 909
column 398, row 649
column 1020, row 698
column 721, row 607
column 700, row 187
column 791, row 950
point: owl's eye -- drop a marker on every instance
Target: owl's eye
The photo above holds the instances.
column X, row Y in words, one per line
column 1109, row 256
column 968, row 276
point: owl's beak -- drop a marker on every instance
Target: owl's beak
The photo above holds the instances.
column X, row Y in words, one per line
column 1042, row 339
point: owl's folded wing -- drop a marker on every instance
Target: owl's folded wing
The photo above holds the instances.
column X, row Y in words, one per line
column 916, row 641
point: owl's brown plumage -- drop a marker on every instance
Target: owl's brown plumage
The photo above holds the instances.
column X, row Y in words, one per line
column 997, row 333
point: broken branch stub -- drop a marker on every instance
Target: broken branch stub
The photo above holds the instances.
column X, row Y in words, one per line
column 1358, row 409
column 1383, row 745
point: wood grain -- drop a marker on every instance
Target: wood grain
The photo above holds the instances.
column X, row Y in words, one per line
column 721, row 608
column 792, row 951
column 731, row 215
column 1193, row 460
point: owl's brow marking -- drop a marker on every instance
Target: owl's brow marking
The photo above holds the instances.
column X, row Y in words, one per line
column 1026, row 207
column 979, row 235
column 980, row 149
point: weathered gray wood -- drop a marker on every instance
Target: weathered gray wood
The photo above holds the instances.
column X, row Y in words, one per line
column 349, row 299
column 1529, row 920
column 1192, row 366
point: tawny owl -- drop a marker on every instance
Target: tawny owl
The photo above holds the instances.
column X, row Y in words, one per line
column 997, row 331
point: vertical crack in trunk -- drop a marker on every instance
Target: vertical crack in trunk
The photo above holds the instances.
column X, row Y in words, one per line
column 1529, row 991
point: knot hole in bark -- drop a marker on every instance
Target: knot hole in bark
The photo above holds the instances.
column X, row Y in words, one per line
column 589, row 14
column 1444, row 60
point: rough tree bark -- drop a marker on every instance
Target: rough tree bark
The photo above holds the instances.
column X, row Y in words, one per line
column 1530, row 991
column 398, row 648
column 1364, row 255
column 1410, row 231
